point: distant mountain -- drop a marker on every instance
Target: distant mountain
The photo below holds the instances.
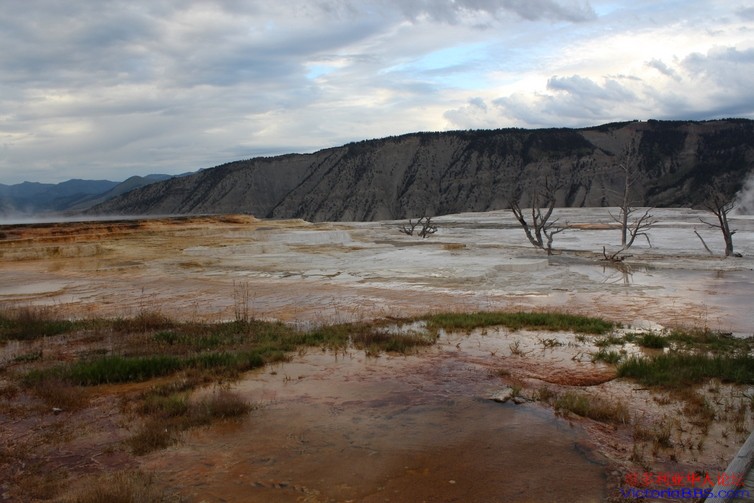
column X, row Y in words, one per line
column 451, row 172
column 127, row 185
column 34, row 198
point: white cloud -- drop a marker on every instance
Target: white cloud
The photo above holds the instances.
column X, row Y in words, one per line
column 114, row 88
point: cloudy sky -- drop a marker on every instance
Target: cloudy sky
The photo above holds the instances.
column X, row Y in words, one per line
column 105, row 89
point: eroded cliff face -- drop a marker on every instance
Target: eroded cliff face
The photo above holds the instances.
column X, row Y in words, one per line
column 453, row 172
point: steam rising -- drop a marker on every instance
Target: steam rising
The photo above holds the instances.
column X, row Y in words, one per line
column 745, row 197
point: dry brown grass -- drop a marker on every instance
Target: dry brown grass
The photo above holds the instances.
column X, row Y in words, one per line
column 169, row 415
column 453, row 246
column 56, row 393
column 154, row 435
column 698, row 409
column 121, row 487
column 40, row 485
column 658, row 433
column 593, row 407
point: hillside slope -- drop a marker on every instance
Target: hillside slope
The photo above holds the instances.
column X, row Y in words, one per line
column 451, row 172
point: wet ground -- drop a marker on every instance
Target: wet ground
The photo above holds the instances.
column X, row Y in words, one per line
column 348, row 427
column 302, row 272
column 385, row 429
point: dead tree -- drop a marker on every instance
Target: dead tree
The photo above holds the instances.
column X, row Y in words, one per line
column 704, row 243
column 427, row 227
column 539, row 230
column 631, row 227
column 408, row 228
column 720, row 206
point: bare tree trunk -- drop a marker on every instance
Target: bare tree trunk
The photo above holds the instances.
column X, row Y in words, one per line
column 720, row 206
column 630, row 229
column 624, row 209
column 703, row 242
column 727, row 234
column 541, row 231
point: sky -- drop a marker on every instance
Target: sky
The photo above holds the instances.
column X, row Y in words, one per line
column 106, row 89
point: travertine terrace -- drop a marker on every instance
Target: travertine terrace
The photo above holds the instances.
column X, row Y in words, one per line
column 406, row 419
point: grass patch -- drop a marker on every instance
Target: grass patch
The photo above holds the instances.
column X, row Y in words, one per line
column 611, row 357
column 119, row 369
column 658, row 433
column 115, row 369
column 168, row 416
column 144, row 322
column 154, row 435
column 609, row 340
column 652, row 341
column 590, row 407
column 521, row 320
column 376, row 341
column 676, row 370
column 707, row 340
column 30, row 323
column 221, row 404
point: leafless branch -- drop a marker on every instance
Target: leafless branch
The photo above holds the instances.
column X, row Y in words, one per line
column 720, row 205
column 408, row 229
column 427, row 227
column 540, row 230
column 703, row 243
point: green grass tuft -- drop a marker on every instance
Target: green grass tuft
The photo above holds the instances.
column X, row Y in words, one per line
column 30, row 323
column 521, row 320
column 653, row 341
column 603, row 355
column 676, row 370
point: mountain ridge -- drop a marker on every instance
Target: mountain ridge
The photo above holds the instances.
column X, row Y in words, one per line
column 71, row 195
column 433, row 173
